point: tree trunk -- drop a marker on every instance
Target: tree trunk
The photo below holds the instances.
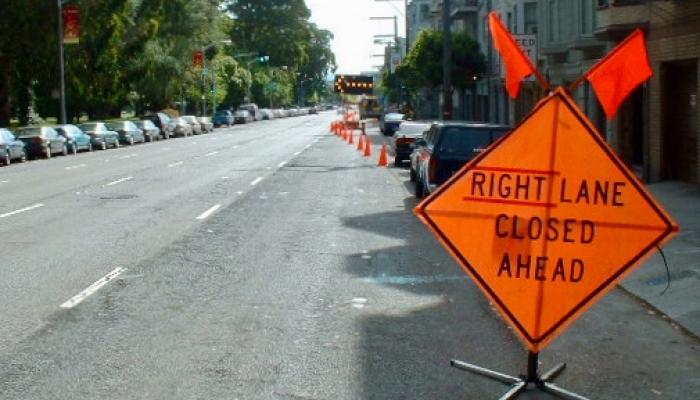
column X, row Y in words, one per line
column 4, row 92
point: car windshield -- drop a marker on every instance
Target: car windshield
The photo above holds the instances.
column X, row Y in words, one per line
column 32, row 131
column 393, row 117
column 463, row 141
column 221, row 114
column 409, row 129
column 90, row 127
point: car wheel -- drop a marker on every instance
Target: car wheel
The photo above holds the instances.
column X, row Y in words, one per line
column 412, row 175
column 7, row 160
column 116, row 144
column 23, row 159
column 65, row 150
column 75, row 149
column 47, row 152
column 89, row 147
column 103, row 145
column 397, row 162
column 131, row 141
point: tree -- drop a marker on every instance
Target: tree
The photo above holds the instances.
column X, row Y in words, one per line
column 422, row 67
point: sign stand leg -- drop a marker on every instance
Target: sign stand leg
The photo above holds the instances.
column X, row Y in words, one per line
column 519, row 384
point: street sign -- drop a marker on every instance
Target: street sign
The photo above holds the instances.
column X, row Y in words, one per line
column 547, row 220
column 354, row 84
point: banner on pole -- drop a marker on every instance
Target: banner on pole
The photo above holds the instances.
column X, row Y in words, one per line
column 71, row 24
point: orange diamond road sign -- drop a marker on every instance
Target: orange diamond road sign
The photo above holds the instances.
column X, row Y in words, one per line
column 547, row 220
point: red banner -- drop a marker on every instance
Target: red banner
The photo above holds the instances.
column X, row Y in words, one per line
column 71, row 24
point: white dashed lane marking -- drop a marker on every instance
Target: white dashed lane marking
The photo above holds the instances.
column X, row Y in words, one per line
column 21, row 210
column 118, row 181
column 78, row 298
column 256, row 181
column 209, row 212
column 175, row 164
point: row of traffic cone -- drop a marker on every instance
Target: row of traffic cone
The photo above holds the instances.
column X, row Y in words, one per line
column 364, row 142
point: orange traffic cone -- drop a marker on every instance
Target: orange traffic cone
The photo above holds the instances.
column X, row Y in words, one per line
column 361, row 143
column 350, row 139
column 368, row 146
column 344, row 134
column 383, row 162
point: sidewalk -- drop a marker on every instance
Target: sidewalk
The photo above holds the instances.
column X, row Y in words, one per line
column 681, row 302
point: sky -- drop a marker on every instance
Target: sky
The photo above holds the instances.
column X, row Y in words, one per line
column 349, row 21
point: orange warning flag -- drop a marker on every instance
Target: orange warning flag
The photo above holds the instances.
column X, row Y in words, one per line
column 518, row 65
column 620, row 72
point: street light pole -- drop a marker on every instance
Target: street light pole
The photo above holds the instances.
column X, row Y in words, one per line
column 61, row 62
column 446, row 62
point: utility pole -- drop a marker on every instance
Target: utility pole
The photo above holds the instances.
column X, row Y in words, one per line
column 61, row 64
column 446, row 62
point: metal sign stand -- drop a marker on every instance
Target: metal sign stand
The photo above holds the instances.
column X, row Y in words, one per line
column 524, row 382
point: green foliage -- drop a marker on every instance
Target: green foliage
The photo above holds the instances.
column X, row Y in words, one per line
column 139, row 54
column 422, row 67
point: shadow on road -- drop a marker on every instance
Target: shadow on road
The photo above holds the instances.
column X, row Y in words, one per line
column 405, row 353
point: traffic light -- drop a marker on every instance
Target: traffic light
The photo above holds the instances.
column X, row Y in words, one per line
column 354, row 84
column 198, row 59
column 262, row 58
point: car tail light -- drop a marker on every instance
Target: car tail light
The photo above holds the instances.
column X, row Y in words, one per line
column 432, row 168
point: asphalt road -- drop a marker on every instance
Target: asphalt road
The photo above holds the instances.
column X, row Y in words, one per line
column 270, row 261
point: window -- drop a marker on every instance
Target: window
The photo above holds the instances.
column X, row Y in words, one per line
column 463, row 141
column 586, row 17
column 424, row 12
column 551, row 14
column 530, row 12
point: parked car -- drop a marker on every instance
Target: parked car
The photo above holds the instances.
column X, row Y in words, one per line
column 267, row 114
column 163, row 122
column 150, row 131
column 11, row 148
column 447, row 147
column 182, row 127
column 390, row 122
column 206, row 124
column 192, row 120
column 402, row 142
column 76, row 139
column 252, row 108
column 100, row 136
column 42, row 141
column 128, row 132
column 223, row 117
column 242, row 117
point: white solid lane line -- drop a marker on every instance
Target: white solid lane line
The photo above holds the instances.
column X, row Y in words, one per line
column 1, row 182
column 282, row 164
column 211, row 154
column 127, row 156
column 297, row 153
column 76, row 167
column 209, row 212
column 175, row 164
column 21, row 210
column 78, row 298
column 128, row 178
column 256, row 181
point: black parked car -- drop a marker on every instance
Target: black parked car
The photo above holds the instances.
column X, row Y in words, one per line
column 163, row 122
column 128, row 132
column 149, row 129
column 446, row 147
column 42, row 141
column 11, row 148
column 101, row 137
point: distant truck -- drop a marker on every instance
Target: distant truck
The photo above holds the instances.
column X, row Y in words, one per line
column 370, row 108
